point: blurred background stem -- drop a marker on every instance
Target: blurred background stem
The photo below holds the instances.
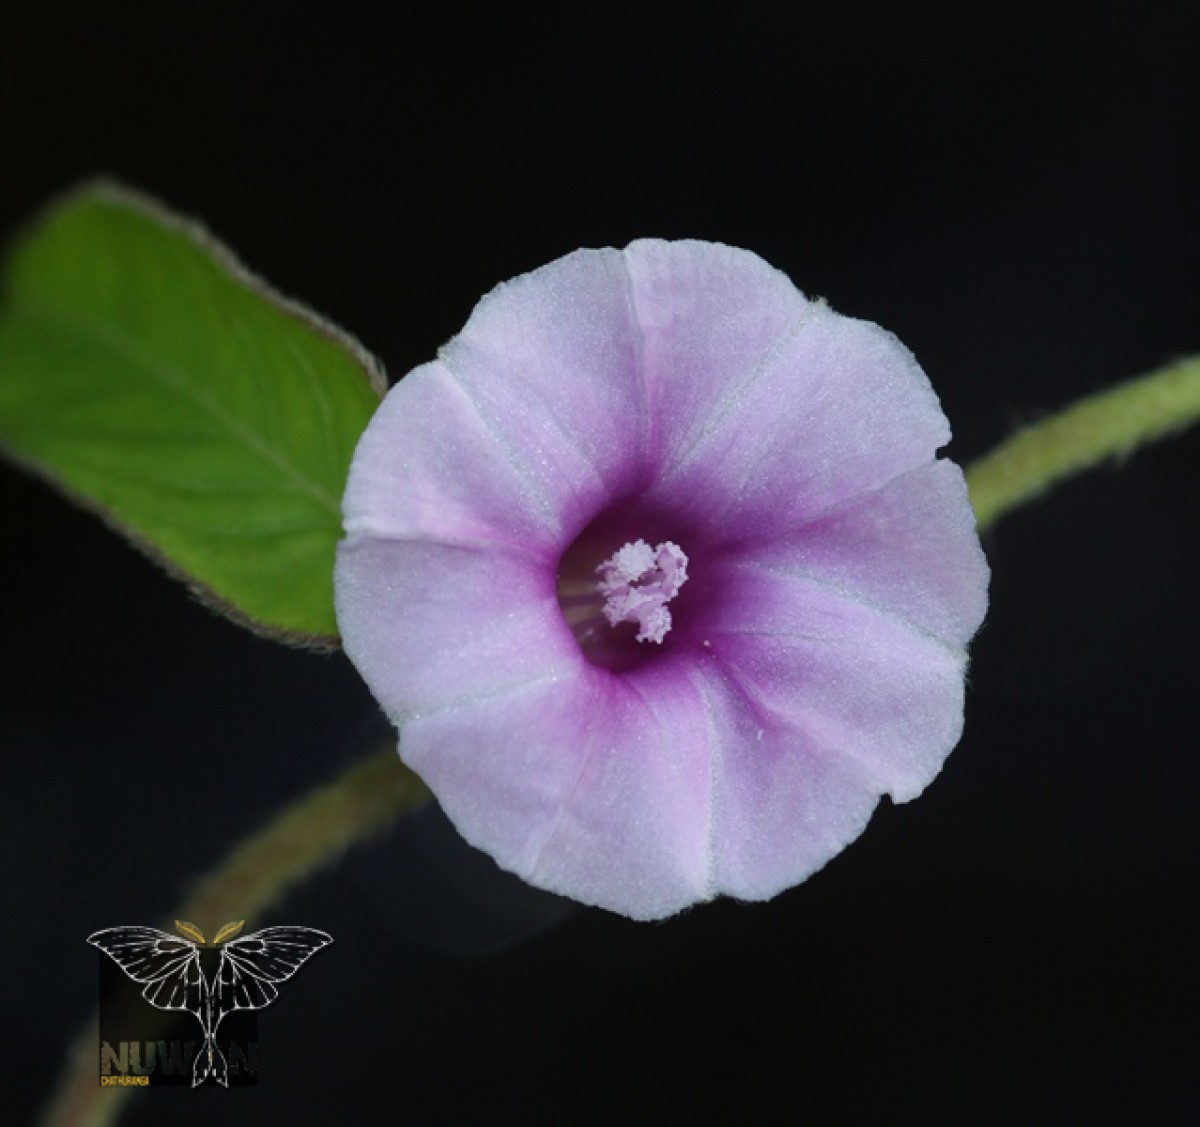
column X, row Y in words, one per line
column 311, row 833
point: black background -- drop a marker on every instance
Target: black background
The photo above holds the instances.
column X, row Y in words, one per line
column 1013, row 189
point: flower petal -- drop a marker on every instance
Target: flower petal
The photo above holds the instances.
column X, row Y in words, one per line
column 782, row 806
column 551, row 362
column 862, row 687
column 591, row 785
column 428, row 467
column 710, row 316
column 910, row 547
column 839, row 408
column 427, row 624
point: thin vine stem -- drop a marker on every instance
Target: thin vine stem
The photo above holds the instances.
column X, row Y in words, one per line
column 309, row 835
column 1110, row 424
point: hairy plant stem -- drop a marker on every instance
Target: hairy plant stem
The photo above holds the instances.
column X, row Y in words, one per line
column 316, row 830
column 1110, row 424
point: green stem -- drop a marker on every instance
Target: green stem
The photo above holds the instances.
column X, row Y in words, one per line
column 310, row 834
column 1111, row 424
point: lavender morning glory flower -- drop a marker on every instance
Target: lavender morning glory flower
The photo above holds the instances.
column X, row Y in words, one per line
column 658, row 574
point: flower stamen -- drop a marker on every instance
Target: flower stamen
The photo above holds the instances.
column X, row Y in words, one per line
column 638, row 581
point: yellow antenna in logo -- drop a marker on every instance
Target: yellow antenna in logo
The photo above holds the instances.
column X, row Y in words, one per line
column 228, row 932
column 191, row 931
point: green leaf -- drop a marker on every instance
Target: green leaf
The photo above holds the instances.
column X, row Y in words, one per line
column 150, row 377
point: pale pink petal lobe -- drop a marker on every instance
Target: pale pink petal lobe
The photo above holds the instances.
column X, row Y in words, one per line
column 551, row 362
column 782, row 806
column 709, row 316
column 839, row 409
column 910, row 546
column 428, row 467
column 429, row 623
column 594, row 786
column 864, row 687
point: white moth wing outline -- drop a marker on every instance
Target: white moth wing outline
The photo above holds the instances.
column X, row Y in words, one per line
column 168, row 965
column 251, row 965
